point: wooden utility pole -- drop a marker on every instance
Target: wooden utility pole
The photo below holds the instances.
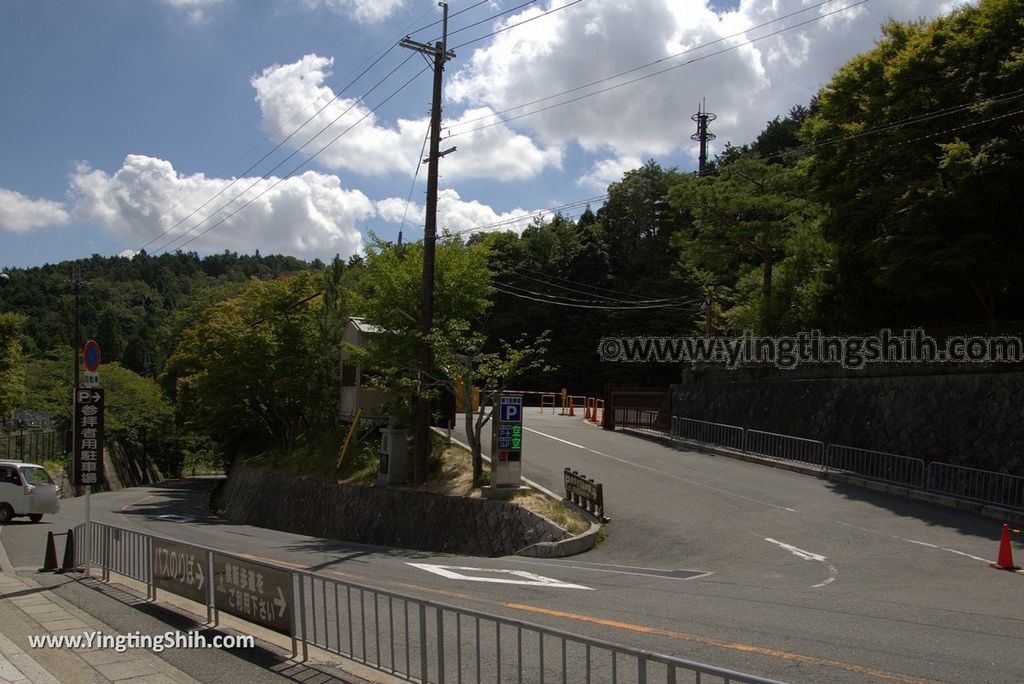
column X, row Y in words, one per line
column 440, row 54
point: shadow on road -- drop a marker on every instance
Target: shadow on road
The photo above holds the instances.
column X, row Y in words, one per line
column 935, row 515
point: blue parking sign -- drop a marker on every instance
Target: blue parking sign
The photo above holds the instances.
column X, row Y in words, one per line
column 511, row 410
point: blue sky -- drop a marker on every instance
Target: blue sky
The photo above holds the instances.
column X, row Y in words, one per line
column 123, row 117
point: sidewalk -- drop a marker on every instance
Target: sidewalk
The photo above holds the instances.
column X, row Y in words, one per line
column 26, row 609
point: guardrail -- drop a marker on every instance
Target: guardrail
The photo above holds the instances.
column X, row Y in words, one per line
column 877, row 465
column 410, row 638
column 961, row 482
column 788, row 448
column 729, row 436
column 976, row 485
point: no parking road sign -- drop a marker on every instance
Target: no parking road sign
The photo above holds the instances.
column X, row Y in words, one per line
column 91, row 356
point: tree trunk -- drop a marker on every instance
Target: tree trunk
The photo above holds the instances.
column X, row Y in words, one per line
column 472, row 436
column 766, row 298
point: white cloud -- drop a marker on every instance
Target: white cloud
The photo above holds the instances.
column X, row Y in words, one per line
column 607, row 171
column 309, row 215
column 197, row 11
column 455, row 215
column 745, row 85
column 365, row 11
column 20, row 214
column 289, row 94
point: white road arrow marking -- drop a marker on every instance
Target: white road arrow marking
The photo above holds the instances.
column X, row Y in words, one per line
column 807, row 555
column 502, row 576
column 280, row 602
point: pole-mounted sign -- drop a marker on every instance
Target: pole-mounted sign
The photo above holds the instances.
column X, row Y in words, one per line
column 88, row 436
column 507, row 442
column 91, row 358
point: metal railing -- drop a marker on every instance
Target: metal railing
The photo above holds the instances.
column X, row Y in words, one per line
column 788, row 448
column 419, row 640
column 729, row 436
column 961, row 482
column 986, row 486
column 33, row 445
column 877, row 465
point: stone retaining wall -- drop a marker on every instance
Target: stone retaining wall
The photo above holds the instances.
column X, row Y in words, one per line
column 381, row 516
column 975, row 420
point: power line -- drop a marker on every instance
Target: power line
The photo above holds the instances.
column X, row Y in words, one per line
column 275, row 149
column 550, row 299
column 296, row 169
column 577, row 282
column 502, row 121
column 601, row 298
column 512, row 26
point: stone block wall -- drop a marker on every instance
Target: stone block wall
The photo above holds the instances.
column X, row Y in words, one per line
column 970, row 419
column 382, row 516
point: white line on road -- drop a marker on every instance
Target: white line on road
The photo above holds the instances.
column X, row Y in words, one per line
column 807, row 555
column 917, row 542
column 661, row 472
column 522, row 577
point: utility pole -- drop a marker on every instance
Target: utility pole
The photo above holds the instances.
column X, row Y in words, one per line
column 439, row 52
column 703, row 118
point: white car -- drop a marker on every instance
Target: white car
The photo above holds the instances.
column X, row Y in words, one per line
column 26, row 489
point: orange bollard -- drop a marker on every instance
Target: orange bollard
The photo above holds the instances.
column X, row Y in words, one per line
column 572, row 413
column 1005, row 561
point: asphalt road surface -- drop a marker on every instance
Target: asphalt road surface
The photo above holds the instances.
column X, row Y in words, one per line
column 707, row 558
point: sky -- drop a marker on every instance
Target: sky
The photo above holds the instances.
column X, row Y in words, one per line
column 296, row 126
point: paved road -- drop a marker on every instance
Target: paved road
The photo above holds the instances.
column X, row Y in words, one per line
column 809, row 581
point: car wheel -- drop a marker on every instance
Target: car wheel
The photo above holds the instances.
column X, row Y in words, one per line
column 6, row 513
column 35, row 517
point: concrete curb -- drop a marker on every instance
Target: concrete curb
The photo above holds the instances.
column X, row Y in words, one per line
column 976, row 507
column 572, row 546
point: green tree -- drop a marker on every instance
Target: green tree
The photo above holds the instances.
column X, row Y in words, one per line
column 12, row 372
column 918, row 155
column 390, row 299
column 256, row 368
column 460, row 354
column 743, row 218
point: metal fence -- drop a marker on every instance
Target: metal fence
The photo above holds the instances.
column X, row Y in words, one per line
column 644, row 420
column 419, row 640
column 789, row 448
column 976, row 485
column 33, row 446
column 961, row 482
column 729, row 436
column 876, row 465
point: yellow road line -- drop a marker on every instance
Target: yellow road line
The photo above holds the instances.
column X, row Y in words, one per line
column 732, row 645
column 626, row 626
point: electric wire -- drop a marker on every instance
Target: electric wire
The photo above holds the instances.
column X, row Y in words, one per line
column 578, row 282
column 549, row 299
column 383, row 52
column 272, row 151
column 296, row 169
column 632, row 81
column 516, row 25
column 412, row 188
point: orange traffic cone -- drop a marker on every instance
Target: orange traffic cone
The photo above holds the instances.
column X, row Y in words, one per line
column 588, row 416
column 1005, row 561
column 571, row 412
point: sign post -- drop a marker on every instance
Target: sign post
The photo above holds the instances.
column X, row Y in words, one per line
column 88, row 439
column 507, row 442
